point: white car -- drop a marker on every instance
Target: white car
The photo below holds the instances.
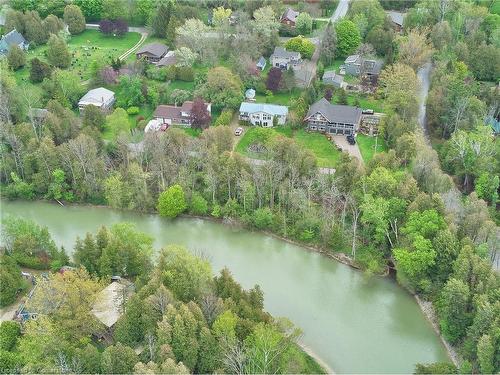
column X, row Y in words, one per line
column 238, row 131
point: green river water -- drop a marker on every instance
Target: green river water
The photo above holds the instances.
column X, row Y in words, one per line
column 354, row 323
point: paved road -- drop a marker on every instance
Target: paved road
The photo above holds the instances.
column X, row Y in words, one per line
column 423, row 75
column 340, row 11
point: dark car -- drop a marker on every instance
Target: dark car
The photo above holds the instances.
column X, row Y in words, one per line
column 368, row 111
column 350, row 138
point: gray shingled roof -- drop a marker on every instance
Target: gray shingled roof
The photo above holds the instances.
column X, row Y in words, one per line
column 396, row 17
column 331, row 76
column 283, row 53
column 155, row 49
column 13, row 37
column 336, row 113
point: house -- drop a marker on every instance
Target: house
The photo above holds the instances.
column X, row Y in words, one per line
column 152, row 52
column 108, row 306
column 263, row 114
column 283, row 59
column 289, row 17
column 397, row 20
column 173, row 115
column 333, row 79
column 99, row 97
column 10, row 39
column 155, row 125
column 167, row 60
column 371, row 67
column 333, row 119
column 261, row 64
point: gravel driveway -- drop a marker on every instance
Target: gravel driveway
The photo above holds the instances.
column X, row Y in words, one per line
column 353, row 150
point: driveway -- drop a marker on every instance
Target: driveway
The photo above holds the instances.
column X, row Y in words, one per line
column 341, row 10
column 353, row 150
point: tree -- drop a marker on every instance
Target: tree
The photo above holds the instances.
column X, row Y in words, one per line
column 441, row 35
column 11, row 282
column 198, row 204
column 185, row 57
column 273, row 79
column 302, row 45
column 435, row 368
column 114, row 9
column 63, row 86
column 200, row 117
column 131, row 91
column 118, row 122
column 9, row 333
column 52, row 24
column 119, row 359
column 221, row 16
column 193, row 35
column 171, row 202
column 106, row 27
column 58, row 188
column 14, row 20
column 453, row 311
column 382, row 41
column 161, row 19
column 265, row 26
column 486, row 355
column 33, row 28
column 73, row 17
column 328, row 45
column 121, row 27
column 348, row 37
column 92, row 9
column 222, row 88
column 16, row 57
column 303, row 23
column 94, row 117
column 414, row 49
column 39, row 70
column 486, row 187
column 186, row 275
column 482, row 62
column 58, row 53
column 328, row 94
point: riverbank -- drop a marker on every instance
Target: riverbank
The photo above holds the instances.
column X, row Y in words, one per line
column 327, row 369
column 429, row 312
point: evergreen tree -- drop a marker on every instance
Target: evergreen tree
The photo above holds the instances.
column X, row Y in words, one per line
column 16, row 57
column 161, row 19
column 58, row 53
column 39, row 70
column 74, row 18
column 328, row 45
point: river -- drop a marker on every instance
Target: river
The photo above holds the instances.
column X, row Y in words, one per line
column 354, row 323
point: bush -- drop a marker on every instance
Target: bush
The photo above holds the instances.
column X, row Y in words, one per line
column 216, row 211
column 133, row 110
column 9, row 332
column 185, row 73
column 170, row 73
column 302, row 45
column 225, row 118
column 172, row 202
column 262, row 218
column 198, row 205
column 11, row 281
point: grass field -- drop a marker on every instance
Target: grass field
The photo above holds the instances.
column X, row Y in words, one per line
column 367, row 145
column 326, row 153
column 85, row 48
column 281, row 98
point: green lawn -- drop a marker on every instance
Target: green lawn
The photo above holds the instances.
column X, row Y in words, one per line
column 335, row 65
column 281, row 98
column 365, row 102
column 367, row 145
column 326, row 153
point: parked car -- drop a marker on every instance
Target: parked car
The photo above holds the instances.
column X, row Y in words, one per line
column 238, row 131
column 351, row 140
column 368, row 111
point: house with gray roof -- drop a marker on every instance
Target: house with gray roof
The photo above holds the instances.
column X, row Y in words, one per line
column 333, row 79
column 283, row 59
column 289, row 17
column 355, row 65
column 100, row 97
column 152, row 52
column 263, row 114
column 332, row 118
column 167, row 60
column 12, row 38
column 397, row 19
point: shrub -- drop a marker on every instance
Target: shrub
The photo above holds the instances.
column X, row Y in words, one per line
column 216, row 211
column 11, row 282
column 263, row 218
column 225, row 118
column 185, row 73
column 133, row 110
column 302, row 45
column 170, row 73
column 198, row 205
column 9, row 332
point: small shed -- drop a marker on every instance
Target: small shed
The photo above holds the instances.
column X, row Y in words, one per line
column 332, row 78
column 261, row 64
column 250, row 94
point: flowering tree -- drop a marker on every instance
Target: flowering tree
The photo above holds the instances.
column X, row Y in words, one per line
column 200, row 117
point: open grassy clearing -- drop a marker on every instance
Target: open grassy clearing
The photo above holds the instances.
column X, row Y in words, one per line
column 281, row 98
column 326, row 153
column 368, row 144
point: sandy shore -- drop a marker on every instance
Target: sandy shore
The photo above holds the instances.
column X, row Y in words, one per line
column 308, row 350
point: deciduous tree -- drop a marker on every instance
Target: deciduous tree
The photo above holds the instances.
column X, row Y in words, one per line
column 348, row 37
column 73, row 17
column 172, row 202
column 58, row 53
column 16, row 57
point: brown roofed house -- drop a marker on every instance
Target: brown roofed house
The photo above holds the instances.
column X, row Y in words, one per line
column 289, row 17
column 152, row 52
column 173, row 115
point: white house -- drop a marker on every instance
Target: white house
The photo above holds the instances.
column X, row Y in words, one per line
column 263, row 114
column 99, row 97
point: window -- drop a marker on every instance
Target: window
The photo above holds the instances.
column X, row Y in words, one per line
column 312, row 127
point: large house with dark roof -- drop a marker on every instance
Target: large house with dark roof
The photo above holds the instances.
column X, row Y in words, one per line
column 173, row 115
column 289, row 17
column 333, row 119
column 152, row 52
column 12, row 38
column 283, row 59
column 355, row 66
